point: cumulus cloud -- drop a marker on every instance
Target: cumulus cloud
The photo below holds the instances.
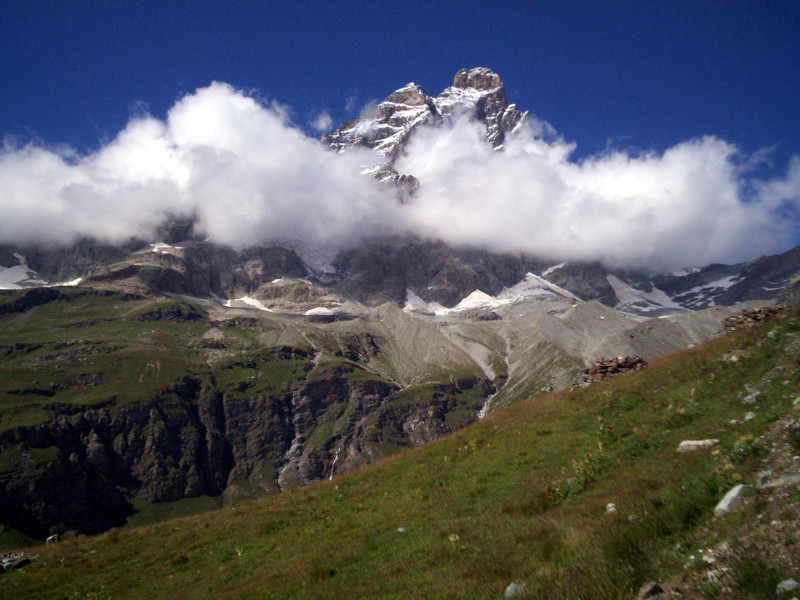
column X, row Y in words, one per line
column 322, row 122
column 238, row 165
column 249, row 175
column 690, row 205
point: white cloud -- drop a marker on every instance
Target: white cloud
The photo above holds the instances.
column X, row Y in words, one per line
column 684, row 207
column 322, row 122
column 237, row 164
column 250, row 176
column 351, row 101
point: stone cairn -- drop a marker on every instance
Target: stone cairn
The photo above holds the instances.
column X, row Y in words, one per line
column 752, row 316
column 604, row 368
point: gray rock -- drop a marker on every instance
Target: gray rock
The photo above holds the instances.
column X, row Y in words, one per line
column 780, row 482
column 730, row 500
column 787, row 585
column 751, row 397
column 793, row 431
column 763, row 477
column 693, row 445
column 648, row 590
column 13, row 560
column 513, row 589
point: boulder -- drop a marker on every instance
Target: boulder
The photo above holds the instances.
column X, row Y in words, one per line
column 649, row 590
column 787, row 585
column 514, row 589
column 693, row 445
column 730, row 501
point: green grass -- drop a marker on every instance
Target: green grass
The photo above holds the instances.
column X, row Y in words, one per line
column 64, row 351
column 11, row 539
column 519, row 496
column 87, row 347
column 147, row 512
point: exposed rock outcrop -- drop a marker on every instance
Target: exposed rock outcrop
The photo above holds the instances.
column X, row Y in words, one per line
column 752, row 316
column 476, row 93
column 200, row 437
column 604, row 368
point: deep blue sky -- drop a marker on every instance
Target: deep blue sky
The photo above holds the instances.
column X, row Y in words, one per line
column 640, row 74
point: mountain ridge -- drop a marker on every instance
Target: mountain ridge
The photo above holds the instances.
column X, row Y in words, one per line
column 391, row 268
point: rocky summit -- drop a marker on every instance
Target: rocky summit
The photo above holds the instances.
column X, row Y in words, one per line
column 476, row 93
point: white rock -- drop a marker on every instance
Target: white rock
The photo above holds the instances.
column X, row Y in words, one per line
column 692, row 445
column 787, row 585
column 750, row 416
column 513, row 589
column 751, row 398
column 727, row 503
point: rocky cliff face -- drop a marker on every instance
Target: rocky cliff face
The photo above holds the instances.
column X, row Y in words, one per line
column 476, row 93
column 385, row 270
column 145, row 407
column 195, row 439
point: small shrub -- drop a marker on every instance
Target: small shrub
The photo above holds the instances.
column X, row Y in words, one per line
column 540, row 500
column 179, row 560
column 755, row 577
column 589, row 469
column 747, row 446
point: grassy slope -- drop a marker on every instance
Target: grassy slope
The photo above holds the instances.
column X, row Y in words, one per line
column 84, row 350
column 518, row 497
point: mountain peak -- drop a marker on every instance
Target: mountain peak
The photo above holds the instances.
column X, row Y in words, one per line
column 410, row 94
column 478, row 78
column 477, row 93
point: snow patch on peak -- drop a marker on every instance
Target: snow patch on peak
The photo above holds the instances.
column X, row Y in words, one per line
column 685, row 272
column 534, row 286
column 477, row 299
column 71, row 283
column 549, row 270
column 320, row 310
column 718, row 285
column 19, row 276
column 414, row 302
column 246, row 301
column 629, row 298
column 162, row 248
